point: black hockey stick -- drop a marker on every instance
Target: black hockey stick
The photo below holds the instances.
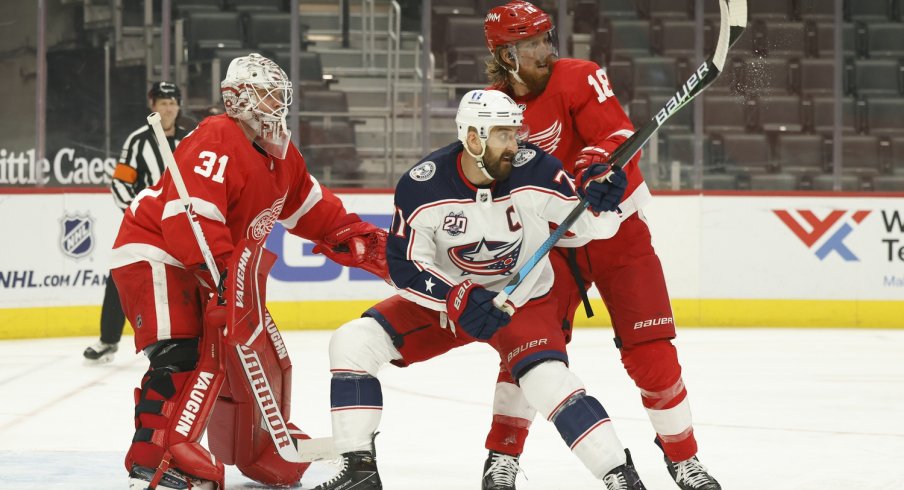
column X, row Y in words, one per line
column 733, row 20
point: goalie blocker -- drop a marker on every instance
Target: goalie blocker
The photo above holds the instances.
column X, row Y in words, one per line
column 237, row 385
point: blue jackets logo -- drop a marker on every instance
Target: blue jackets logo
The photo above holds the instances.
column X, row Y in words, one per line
column 486, row 258
column 77, row 235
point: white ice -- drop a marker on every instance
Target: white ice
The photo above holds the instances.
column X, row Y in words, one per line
column 773, row 408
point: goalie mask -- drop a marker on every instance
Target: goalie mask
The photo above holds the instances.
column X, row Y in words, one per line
column 257, row 93
column 483, row 110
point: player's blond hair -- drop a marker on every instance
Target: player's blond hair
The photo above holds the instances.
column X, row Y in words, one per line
column 496, row 69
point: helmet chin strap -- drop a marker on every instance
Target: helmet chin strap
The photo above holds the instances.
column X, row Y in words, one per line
column 479, row 158
column 514, row 72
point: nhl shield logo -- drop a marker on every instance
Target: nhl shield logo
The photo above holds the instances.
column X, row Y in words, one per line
column 77, row 235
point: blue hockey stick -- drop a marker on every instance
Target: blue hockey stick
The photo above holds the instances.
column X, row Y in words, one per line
column 733, row 20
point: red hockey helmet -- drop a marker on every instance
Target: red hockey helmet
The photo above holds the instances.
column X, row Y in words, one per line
column 513, row 22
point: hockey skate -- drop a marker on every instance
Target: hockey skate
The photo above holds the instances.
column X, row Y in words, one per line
column 623, row 477
column 140, row 479
column 358, row 472
column 499, row 471
column 691, row 475
column 100, row 352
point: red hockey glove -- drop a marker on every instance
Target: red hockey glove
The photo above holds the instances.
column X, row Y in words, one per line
column 470, row 306
column 588, row 156
column 358, row 244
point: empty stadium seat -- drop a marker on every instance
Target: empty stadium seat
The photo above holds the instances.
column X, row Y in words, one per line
column 888, row 183
column 786, row 39
column 617, row 8
column 324, row 101
column 621, row 78
column 673, row 37
column 877, row 77
column 816, row 76
column 718, row 182
column 272, row 30
column 742, row 153
column 310, row 68
column 658, row 9
column 773, row 182
column 465, row 49
column 765, row 76
column 883, row 39
column 679, row 147
column 329, row 144
column 800, row 154
column 769, row 9
column 586, row 17
column 256, row 5
column 823, row 116
column 182, row 9
column 826, row 182
column 860, row 155
column 624, row 39
column 884, row 115
column 897, row 154
column 724, row 113
column 867, row 10
column 779, row 113
column 206, row 31
column 654, row 75
column 818, row 10
column 825, row 39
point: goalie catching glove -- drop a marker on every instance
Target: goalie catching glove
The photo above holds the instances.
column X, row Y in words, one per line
column 470, row 306
column 601, row 185
column 357, row 244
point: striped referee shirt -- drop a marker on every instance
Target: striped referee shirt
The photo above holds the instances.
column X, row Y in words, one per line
column 140, row 164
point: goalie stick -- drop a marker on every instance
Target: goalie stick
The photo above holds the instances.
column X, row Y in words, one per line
column 272, row 418
column 733, row 20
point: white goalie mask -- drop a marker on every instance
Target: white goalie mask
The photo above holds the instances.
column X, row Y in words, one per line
column 483, row 110
column 257, row 93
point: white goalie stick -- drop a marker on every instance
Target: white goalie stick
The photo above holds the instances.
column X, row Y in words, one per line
column 272, row 418
column 733, row 20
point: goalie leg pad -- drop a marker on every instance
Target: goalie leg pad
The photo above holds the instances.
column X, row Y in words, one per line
column 580, row 419
column 512, row 417
column 240, row 432
column 357, row 351
column 655, row 370
column 172, row 406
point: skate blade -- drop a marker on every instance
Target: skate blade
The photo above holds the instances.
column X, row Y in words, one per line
column 104, row 359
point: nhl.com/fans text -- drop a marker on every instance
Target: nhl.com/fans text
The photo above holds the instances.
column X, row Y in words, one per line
column 27, row 279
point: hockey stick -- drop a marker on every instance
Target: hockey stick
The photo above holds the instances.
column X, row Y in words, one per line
column 733, row 20
column 272, row 417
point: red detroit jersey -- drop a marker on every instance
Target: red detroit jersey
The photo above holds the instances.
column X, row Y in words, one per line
column 577, row 109
column 237, row 193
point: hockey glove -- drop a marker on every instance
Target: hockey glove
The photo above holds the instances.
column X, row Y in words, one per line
column 603, row 194
column 357, row 244
column 470, row 306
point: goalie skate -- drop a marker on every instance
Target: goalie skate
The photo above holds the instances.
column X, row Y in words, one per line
column 100, row 352
column 140, row 479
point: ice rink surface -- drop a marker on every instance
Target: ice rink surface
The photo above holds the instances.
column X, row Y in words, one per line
column 774, row 409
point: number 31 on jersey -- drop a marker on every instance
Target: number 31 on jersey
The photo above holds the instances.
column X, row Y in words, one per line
column 205, row 168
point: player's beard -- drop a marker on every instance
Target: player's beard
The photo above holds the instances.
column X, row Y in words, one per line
column 499, row 167
column 537, row 79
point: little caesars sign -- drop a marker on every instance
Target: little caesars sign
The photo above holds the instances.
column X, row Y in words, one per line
column 63, row 168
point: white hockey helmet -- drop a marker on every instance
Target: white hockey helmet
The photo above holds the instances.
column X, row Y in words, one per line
column 257, row 93
column 483, row 109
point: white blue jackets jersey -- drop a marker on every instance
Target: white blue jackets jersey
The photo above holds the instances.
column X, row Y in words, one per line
column 446, row 230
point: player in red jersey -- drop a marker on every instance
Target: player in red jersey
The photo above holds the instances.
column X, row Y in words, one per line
column 573, row 114
column 242, row 175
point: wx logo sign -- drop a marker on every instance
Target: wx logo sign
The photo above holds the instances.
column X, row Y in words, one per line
column 811, row 229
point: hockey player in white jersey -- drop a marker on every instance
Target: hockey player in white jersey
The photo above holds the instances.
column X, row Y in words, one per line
column 466, row 218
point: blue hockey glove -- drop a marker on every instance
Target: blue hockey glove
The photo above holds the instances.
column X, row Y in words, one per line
column 470, row 306
column 603, row 196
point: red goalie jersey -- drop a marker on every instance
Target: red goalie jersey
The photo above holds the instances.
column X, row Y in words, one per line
column 237, row 193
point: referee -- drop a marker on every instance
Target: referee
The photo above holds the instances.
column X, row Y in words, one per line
column 140, row 166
